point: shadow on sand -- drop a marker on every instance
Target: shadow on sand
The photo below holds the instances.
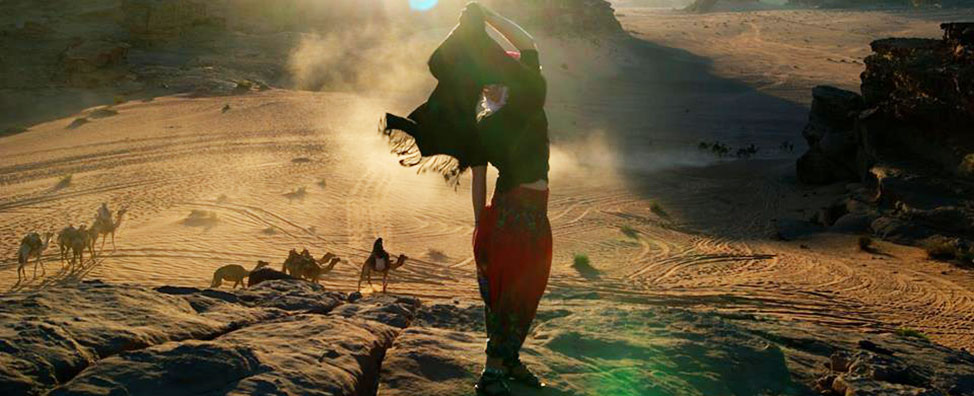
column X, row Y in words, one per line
column 655, row 112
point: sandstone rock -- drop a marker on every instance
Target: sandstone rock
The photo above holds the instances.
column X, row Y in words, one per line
column 431, row 361
column 907, row 137
column 263, row 340
column 837, row 106
column 853, row 223
column 304, row 354
column 162, row 19
column 93, row 63
column 815, row 167
column 858, row 386
column 388, row 309
column 52, row 334
column 831, row 137
column 91, row 55
column 899, row 231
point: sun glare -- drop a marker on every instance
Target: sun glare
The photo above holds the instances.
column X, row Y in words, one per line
column 422, row 5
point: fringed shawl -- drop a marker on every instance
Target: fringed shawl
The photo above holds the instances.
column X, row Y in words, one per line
column 441, row 134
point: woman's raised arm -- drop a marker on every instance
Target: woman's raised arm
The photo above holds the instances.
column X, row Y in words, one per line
column 511, row 31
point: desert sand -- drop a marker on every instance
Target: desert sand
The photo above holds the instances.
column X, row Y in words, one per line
column 210, row 181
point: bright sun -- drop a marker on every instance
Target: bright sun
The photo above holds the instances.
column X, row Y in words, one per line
column 422, row 5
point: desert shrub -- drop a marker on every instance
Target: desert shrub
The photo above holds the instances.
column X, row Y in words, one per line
column 911, row 333
column 657, row 209
column 629, row 231
column 584, row 267
column 64, row 182
column 10, row 130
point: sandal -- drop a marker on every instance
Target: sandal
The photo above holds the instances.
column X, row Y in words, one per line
column 520, row 373
column 492, row 383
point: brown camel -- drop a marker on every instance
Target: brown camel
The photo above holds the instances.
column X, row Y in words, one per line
column 32, row 246
column 303, row 266
column 64, row 242
column 314, row 270
column 78, row 241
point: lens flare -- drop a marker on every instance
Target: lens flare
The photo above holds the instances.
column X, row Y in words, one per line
column 422, row 5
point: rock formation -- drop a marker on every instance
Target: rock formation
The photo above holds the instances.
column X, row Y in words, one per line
column 907, row 139
column 563, row 17
column 293, row 337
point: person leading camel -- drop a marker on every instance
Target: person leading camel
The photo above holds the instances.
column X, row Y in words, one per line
column 378, row 261
column 108, row 226
column 512, row 235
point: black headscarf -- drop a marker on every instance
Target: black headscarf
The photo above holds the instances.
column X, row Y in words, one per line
column 441, row 134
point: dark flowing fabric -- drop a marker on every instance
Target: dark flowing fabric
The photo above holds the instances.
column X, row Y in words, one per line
column 441, row 134
column 512, row 248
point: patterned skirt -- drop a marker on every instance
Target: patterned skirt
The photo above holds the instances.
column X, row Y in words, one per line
column 512, row 248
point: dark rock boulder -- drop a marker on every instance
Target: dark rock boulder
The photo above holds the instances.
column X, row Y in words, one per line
column 831, row 137
column 266, row 274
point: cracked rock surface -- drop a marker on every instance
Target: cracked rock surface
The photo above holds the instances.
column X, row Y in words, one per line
column 293, row 337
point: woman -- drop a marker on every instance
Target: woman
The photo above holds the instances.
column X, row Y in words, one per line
column 512, row 239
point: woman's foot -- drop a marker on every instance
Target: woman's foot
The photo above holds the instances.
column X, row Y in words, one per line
column 520, row 373
column 492, row 383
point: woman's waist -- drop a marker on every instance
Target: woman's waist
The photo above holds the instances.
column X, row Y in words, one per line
column 521, row 198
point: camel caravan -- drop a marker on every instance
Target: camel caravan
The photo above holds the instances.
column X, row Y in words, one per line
column 72, row 242
column 304, row 266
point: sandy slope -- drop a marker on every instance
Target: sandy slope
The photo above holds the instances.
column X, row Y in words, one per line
column 626, row 122
column 783, row 52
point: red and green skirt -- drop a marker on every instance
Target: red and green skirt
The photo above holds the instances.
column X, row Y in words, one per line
column 512, row 248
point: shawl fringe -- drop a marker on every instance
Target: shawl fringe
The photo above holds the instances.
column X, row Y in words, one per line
column 404, row 146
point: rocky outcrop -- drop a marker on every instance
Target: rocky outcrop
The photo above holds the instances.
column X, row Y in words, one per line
column 830, row 136
column 278, row 337
column 906, row 141
column 563, row 17
column 294, row 337
column 160, row 19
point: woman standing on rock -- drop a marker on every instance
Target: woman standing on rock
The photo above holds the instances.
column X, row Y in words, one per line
column 448, row 134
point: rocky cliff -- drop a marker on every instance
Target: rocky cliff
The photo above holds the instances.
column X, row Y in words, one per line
column 907, row 139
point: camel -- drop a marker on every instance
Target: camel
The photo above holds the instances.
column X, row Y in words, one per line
column 90, row 237
column 234, row 273
column 105, row 226
column 295, row 262
column 32, row 245
column 304, row 266
column 78, row 241
column 378, row 261
column 64, row 242
column 314, row 270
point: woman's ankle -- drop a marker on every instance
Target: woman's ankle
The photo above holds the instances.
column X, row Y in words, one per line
column 496, row 364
